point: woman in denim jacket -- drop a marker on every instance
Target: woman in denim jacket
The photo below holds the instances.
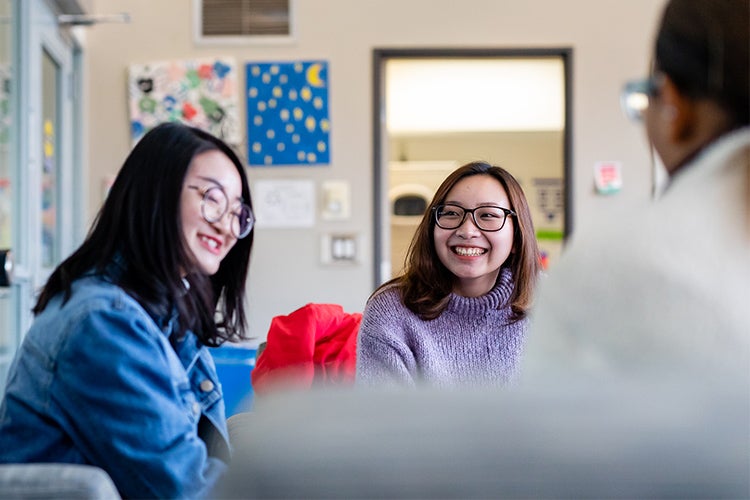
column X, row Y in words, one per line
column 115, row 372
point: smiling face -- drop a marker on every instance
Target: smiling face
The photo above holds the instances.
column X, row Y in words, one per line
column 472, row 255
column 209, row 242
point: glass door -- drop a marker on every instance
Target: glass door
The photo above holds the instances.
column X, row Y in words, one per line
column 37, row 196
column 51, row 168
column 7, row 85
column 51, row 158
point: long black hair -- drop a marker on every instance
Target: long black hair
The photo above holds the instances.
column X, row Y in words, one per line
column 140, row 225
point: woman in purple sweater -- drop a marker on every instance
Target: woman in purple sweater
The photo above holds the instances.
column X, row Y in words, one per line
column 458, row 313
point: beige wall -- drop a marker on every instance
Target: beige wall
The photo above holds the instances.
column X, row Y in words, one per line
column 610, row 41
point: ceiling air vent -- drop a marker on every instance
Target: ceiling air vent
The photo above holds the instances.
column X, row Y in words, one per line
column 243, row 20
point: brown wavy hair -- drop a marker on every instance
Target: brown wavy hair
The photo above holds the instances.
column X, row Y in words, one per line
column 426, row 284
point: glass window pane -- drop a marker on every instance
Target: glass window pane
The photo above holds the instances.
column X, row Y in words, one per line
column 7, row 304
column 6, row 57
column 50, row 160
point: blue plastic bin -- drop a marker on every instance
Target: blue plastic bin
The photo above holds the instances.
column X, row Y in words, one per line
column 233, row 365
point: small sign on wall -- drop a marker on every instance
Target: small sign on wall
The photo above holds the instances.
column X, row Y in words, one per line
column 284, row 203
column 607, row 177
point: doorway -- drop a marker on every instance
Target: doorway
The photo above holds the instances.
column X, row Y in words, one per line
column 38, row 144
column 436, row 109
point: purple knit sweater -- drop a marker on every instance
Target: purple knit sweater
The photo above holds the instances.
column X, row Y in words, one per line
column 472, row 342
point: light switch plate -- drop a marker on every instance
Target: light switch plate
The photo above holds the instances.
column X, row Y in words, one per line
column 339, row 249
column 335, row 200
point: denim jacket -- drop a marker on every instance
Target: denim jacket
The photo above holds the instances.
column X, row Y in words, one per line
column 97, row 381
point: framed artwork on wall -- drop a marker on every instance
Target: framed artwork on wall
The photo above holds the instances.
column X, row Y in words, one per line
column 287, row 113
column 201, row 93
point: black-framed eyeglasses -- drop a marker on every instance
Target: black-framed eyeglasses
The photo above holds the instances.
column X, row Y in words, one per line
column 486, row 218
column 636, row 94
column 215, row 205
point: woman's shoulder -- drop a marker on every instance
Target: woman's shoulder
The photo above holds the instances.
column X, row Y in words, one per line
column 386, row 305
column 98, row 287
column 92, row 295
column 387, row 295
column 98, row 316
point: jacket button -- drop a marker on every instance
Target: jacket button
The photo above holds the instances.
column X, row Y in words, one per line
column 207, row 386
column 196, row 408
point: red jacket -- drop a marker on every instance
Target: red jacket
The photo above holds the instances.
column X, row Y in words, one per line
column 316, row 344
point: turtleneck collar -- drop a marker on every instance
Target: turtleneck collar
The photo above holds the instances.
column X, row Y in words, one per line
column 492, row 300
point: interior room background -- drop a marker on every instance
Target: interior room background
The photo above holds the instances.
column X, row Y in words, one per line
column 609, row 40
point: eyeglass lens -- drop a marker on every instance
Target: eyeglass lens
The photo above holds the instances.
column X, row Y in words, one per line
column 485, row 218
column 636, row 95
column 634, row 103
column 215, row 205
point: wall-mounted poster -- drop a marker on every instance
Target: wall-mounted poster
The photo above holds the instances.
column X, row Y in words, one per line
column 284, row 203
column 287, row 113
column 201, row 93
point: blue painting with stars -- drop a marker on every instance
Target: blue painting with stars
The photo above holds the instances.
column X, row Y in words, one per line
column 287, row 113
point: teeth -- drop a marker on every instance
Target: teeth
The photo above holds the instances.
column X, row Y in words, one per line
column 211, row 243
column 473, row 251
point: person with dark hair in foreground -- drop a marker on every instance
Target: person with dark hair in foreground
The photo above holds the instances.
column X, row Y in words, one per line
column 668, row 281
column 636, row 384
column 114, row 371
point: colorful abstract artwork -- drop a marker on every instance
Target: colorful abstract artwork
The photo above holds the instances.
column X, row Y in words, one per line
column 287, row 113
column 200, row 93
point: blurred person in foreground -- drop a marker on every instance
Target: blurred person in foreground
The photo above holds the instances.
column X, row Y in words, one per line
column 654, row 315
column 666, row 284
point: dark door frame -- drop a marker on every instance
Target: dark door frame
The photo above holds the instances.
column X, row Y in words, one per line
column 380, row 56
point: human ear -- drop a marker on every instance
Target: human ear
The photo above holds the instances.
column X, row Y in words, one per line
column 676, row 112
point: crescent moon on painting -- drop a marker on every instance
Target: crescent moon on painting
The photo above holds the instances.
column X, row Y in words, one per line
column 313, row 75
